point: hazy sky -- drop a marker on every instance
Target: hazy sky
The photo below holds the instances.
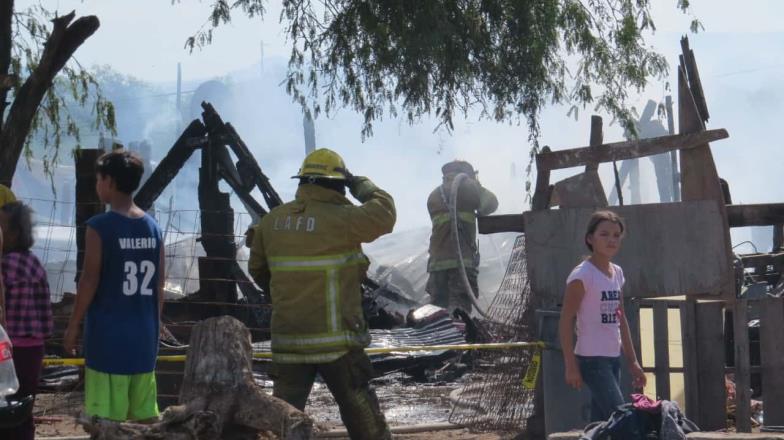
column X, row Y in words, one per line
column 738, row 55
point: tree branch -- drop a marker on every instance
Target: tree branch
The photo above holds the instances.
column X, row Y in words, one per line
column 6, row 18
column 65, row 39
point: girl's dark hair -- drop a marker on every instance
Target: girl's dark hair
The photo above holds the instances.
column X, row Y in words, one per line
column 20, row 220
column 125, row 167
column 598, row 217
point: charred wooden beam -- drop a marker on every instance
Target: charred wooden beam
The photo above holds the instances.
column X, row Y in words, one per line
column 248, row 168
column 766, row 214
column 625, row 150
column 492, row 224
column 229, row 173
column 543, row 190
column 88, row 203
column 596, row 140
column 167, row 169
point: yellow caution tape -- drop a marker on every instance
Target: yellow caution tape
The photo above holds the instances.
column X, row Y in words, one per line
column 529, row 381
column 377, row 350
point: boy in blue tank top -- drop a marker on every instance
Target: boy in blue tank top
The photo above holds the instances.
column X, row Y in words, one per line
column 121, row 293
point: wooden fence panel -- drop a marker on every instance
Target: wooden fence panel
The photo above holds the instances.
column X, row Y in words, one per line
column 772, row 356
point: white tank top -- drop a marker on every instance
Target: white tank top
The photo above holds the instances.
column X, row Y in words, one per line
column 598, row 325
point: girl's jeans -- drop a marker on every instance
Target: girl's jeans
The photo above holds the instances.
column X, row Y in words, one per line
column 602, row 375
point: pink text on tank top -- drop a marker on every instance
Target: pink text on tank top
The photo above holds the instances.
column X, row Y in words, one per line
column 598, row 317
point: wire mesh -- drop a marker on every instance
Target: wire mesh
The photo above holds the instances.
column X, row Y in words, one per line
column 55, row 246
column 497, row 399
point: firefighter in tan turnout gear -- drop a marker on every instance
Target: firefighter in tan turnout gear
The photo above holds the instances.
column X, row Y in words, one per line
column 445, row 283
column 307, row 254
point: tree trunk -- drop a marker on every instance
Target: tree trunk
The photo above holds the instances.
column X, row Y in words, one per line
column 218, row 398
column 65, row 38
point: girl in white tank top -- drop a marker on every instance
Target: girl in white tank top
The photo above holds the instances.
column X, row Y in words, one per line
column 594, row 300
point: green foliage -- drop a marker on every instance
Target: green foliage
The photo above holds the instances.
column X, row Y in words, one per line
column 508, row 58
column 74, row 89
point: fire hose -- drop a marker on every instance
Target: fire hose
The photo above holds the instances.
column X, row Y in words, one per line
column 452, row 205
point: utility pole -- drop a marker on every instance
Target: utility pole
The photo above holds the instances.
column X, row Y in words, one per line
column 179, row 98
column 261, row 59
column 310, row 133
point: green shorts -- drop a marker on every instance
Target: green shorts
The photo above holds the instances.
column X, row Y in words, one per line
column 120, row 397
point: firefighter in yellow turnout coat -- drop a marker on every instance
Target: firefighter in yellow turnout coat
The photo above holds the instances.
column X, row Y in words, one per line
column 445, row 283
column 307, row 254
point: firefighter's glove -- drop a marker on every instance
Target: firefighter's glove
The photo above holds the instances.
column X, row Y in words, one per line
column 361, row 188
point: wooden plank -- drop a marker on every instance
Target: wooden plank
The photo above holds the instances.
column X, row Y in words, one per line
column 764, row 214
column 492, row 224
column 597, row 137
column 694, row 79
column 626, row 150
column 710, row 366
column 772, row 357
column 699, row 178
column 541, row 197
column 583, row 190
column 669, row 248
column 676, row 192
column 661, row 349
column 632, row 310
column 742, row 366
column 761, row 260
column 690, row 360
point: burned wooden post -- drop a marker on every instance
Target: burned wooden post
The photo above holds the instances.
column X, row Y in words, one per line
column 217, row 228
column 218, row 398
column 704, row 369
column 772, row 357
column 87, row 202
column 661, row 349
column 742, row 365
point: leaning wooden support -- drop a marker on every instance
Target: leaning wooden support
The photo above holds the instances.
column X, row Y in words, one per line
column 190, row 139
column 626, row 150
column 767, row 214
column 218, row 398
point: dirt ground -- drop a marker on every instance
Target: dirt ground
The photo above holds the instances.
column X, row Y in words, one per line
column 404, row 404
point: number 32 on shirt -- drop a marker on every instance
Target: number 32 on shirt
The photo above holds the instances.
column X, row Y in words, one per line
column 144, row 270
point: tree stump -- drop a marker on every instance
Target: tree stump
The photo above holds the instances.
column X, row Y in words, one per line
column 218, row 398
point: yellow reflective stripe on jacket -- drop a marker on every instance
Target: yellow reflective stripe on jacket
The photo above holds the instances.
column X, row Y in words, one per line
column 313, row 358
column 326, row 262
column 445, row 217
column 332, row 299
column 330, row 264
column 317, row 341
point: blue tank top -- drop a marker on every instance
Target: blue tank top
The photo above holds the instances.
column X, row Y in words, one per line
column 122, row 327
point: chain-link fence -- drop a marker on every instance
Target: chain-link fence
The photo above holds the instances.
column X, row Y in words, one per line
column 497, row 399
